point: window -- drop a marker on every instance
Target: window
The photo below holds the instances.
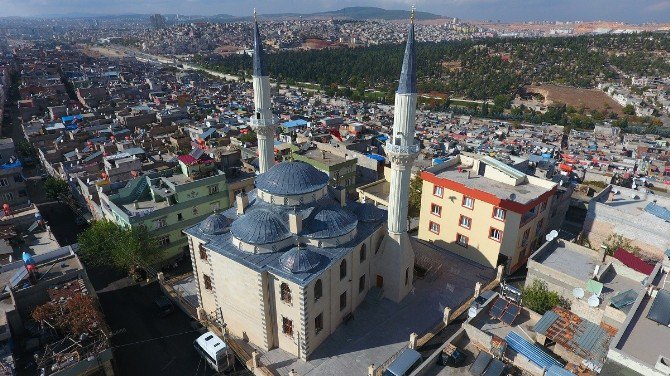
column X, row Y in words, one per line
column 361, row 283
column 436, row 210
column 406, row 276
column 318, row 290
column 495, row 234
column 195, row 210
column 214, row 206
column 287, row 326
column 524, row 240
column 499, row 214
column 462, row 240
column 465, row 222
column 213, row 189
column 285, row 293
column 9, row 196
column 343, row 269
column 160, row 223
column 318, row 323
column 163, row 240
column 343, row 301
column 207, row 281
column 438, row 191
column 468, row 202
column 203, row 252
column 434, row 227
column 364, row 252
column 3, row 182
column 180, row 217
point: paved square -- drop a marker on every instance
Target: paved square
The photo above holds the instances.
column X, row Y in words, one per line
column 380, row 327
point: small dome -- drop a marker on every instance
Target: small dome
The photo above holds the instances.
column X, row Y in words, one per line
column 260, row 226
column 300, row 260
column 215, row 224
column 291, row 178
column 367, row 212
column 328, row 221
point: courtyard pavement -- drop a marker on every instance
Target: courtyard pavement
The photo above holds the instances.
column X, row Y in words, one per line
column 380, row 327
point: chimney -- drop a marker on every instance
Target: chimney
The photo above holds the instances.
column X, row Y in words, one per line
column 242, row 201
column 295, row 222
column 136, row 205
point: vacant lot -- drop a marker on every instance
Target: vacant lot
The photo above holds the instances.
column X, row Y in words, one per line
column 590, row 99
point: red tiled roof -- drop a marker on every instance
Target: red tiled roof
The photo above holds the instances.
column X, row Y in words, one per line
column 633, row 262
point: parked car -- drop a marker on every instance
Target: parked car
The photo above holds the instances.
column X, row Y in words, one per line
column 164, row 306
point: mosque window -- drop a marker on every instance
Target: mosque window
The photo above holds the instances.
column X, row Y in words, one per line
column 364, row 252
column 343, row 269
column 318, row 290
column 287, row 326
column 285, row 293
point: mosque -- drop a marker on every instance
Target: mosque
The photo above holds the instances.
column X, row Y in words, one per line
column 293, row 258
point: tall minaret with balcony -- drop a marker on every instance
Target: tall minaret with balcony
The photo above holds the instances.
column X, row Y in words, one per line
column 401, row 149
column 263, row 121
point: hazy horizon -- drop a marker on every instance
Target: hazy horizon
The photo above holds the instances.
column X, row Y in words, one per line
column 631, row 11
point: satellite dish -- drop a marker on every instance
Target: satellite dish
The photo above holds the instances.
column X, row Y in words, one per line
column 472, row 312
column 593, row 301
column 578, row 292
column 512, row 196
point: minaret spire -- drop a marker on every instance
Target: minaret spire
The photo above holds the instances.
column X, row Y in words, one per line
column 401, row 150
column 263, row 121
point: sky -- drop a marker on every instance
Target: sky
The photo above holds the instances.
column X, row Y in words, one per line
column 634, row 11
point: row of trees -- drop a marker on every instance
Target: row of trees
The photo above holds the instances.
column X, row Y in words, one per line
column 476, row 69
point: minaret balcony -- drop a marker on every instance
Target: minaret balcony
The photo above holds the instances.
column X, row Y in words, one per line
column 401, row 149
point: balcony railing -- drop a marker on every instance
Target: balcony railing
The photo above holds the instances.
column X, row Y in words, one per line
column 400, row 149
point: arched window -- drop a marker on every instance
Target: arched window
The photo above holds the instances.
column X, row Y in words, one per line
column 343, row 269
column 318, row 290
column 285, row 292
column 364, row 252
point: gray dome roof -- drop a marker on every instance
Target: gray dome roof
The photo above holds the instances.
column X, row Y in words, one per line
column 300, row 260
column 328, row 221
column 291, row 178
column 367, row 212
column 260, row 226
column 215, row 224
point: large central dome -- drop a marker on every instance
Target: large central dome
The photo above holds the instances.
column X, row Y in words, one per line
column 291, row 178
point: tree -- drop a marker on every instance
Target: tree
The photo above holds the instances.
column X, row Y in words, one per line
column 538, row 298
column 106, row 243
column 54, row 188
column 415, row 187
column 629, row 109
column 616, row 241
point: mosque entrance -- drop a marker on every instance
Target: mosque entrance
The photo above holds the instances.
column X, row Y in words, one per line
column 380, row 281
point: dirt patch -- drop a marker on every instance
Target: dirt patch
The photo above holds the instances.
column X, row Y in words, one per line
column 590, row 99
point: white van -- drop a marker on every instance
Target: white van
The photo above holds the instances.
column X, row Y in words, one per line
column 215, row 351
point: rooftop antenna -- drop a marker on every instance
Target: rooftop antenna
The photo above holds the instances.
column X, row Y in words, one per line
column 413, row 13
column 255, row 16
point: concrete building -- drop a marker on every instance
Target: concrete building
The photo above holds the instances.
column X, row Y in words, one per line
column 641, row 345
column 340, row 170
column 484, row 210
column 167, row 202
column 294, row 259
column 637, row 215
column 12, row 184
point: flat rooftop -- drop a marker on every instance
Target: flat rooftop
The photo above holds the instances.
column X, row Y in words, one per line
column 568, row 258
column 525, row 192
column 323, row 157
column 645, row 339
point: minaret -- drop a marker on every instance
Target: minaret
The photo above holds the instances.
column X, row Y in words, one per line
column 263, row 121
column 401, row 149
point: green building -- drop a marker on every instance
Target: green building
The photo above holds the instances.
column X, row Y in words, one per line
column 340, row 169
column 169, row 201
